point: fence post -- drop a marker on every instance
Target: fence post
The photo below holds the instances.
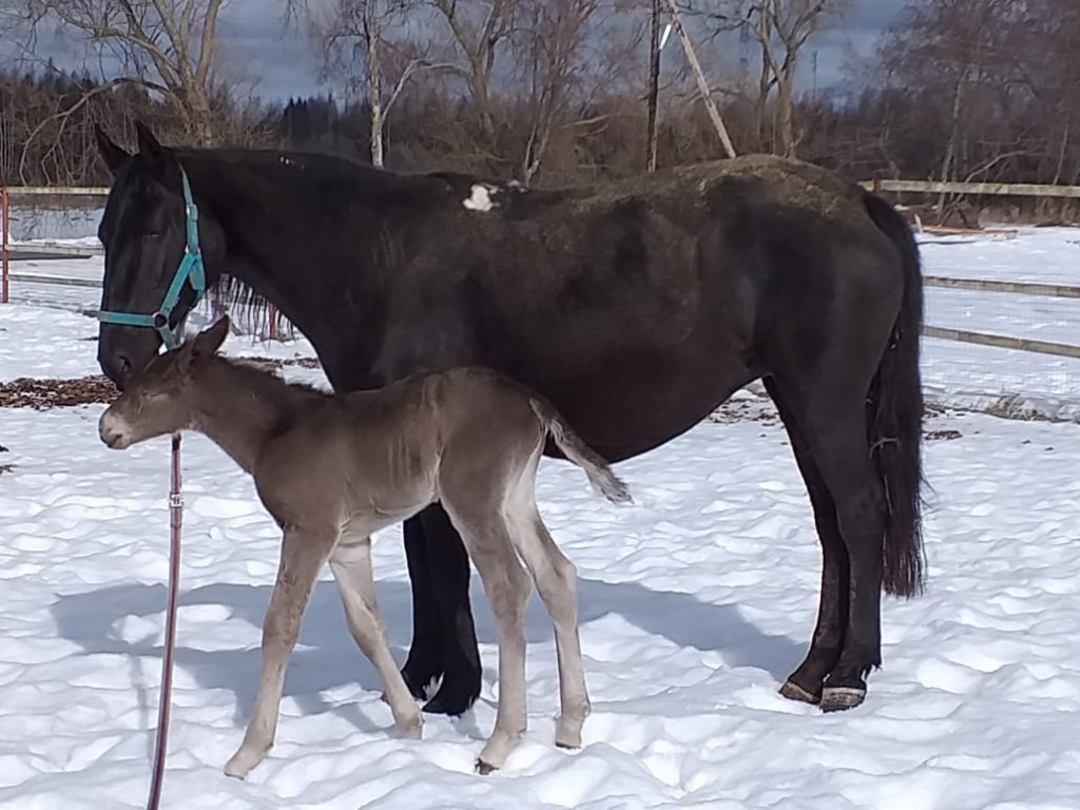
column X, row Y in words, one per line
column 4, row 215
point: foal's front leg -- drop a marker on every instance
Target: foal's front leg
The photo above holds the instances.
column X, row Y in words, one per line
column 351, row 564
column 302, row 555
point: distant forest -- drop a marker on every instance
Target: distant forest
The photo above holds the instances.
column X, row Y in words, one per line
column 960, row 89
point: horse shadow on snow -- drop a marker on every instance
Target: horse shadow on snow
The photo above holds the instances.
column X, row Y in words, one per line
column 326, row 657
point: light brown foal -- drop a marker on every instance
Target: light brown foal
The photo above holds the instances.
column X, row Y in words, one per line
column 333, row 469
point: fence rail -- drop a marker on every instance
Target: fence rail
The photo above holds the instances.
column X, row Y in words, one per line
column 1016, row 287
column 59, row 191
column 956, row 187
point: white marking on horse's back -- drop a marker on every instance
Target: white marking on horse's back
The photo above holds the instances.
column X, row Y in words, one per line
column 481, row 197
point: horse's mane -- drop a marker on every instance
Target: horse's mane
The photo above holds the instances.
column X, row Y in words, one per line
column 246, row 307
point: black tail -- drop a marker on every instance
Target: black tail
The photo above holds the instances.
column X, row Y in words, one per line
column 895, row 413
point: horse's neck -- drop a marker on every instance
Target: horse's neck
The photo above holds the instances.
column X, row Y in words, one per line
column 241, row 409
column 272, row 231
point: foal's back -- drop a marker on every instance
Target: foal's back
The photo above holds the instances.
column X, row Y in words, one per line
column 389, row 451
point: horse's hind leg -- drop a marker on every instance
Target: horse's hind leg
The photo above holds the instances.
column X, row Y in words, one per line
column 351, row 564
column 556, row 580
column 806, row 682
column 302, row 555
column 836, row 433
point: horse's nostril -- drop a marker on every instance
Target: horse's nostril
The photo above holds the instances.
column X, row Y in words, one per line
column 123, row 365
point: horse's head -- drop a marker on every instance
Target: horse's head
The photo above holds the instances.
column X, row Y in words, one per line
column 144, row 231
column 161, row 399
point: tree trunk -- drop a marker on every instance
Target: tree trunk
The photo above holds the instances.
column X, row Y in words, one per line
column 373, row 35
column 654, row 88
column 950, row 149
column 764, row 83
column 785, row 112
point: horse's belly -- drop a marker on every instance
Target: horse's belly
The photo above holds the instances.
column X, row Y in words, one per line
column 635, row 402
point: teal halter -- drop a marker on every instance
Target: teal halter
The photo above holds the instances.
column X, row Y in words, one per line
column 191, row 270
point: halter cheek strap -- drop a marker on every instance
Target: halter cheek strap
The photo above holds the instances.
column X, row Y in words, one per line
column 191, row 270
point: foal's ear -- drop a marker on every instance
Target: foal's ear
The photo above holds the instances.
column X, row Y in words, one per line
column 113, row 155
column 207, row 342
column 149, row 147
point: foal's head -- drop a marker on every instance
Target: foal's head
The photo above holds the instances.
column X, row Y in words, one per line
column 162, row 399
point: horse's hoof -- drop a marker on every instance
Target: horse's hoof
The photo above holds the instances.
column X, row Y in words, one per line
column 792, row 691
column 484, row 768
column 841, row 698
column 415, row 681
column 452, row 699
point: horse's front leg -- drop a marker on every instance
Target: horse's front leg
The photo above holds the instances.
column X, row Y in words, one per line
column 443, row 623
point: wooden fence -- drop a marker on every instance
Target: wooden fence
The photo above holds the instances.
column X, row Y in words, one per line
column 975, row 189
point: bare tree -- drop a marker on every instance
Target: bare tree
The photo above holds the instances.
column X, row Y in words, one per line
column 561, row 70
column 368, row 42
column 479, row 30
column 781, row 29
column 169, row 46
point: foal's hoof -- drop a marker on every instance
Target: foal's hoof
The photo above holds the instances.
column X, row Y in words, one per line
column 484, row 768
column 840, row 698
column 792, row 691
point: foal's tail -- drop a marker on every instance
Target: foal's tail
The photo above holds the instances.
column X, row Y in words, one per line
column 574, row 448
column 894, row 416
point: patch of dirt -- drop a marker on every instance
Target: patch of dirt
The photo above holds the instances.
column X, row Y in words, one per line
column 6, row 468
column 43, row 394
column 745, row 410
column 942, row 435
column 268, row 362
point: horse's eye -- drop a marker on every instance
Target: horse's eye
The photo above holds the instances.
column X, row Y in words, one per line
column 152, row 235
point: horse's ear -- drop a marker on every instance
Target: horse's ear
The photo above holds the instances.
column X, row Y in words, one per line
column 208, row 341
column 113, row 155
column 149, row 147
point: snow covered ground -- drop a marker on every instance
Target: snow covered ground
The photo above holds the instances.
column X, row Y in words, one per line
column 695, row 603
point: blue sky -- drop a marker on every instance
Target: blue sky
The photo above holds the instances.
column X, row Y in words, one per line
column 282, row 63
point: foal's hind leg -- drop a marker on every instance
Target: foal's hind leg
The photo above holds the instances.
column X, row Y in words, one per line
column 302, row 555
column 351, row 564
column 488, row 540
column 556, row 580
column 806, row 682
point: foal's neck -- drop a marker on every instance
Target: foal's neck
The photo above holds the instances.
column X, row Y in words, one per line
column 241, row 408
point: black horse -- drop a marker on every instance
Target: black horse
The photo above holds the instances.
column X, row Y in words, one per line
column 635, row 306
